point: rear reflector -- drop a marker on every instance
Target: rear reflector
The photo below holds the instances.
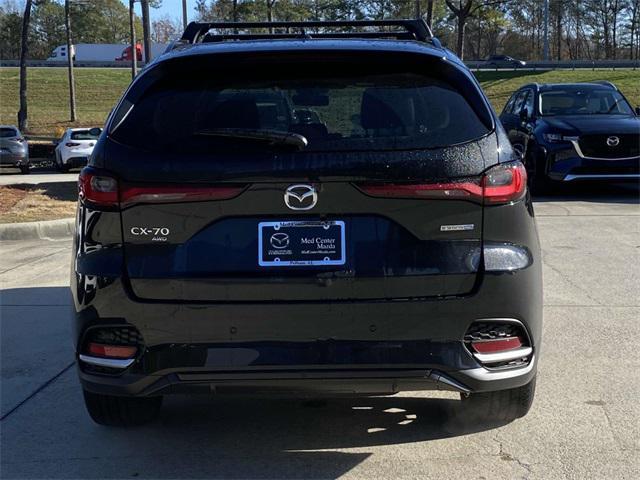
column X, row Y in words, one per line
column 498, row 345
column 500, row 184
column 111, row 351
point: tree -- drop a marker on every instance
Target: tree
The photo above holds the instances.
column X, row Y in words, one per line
column 165, row 29
column 10, row 30
column 462, row 10
column 47, row 30
column 24, row 50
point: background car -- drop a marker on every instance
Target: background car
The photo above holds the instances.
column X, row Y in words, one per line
column 504, row 61
column 574, row 131
column 74, row 147
column 14, row 149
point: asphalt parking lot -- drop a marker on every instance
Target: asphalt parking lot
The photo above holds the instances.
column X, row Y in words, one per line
column 584, row 422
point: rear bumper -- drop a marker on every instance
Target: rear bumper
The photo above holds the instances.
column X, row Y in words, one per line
column 312, row 348
column 76, row 162
column 13, row 160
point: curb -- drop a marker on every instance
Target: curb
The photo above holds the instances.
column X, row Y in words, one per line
column 45, row 230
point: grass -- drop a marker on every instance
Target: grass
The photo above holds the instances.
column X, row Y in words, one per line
column 500, row 85
column 32, row 203
column 98, row 89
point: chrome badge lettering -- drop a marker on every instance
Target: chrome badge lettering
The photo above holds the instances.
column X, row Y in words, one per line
column 457, row 228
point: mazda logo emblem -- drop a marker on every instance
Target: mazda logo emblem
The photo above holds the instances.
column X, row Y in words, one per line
column 279, row 240
column 300, row 197
column 613, row 141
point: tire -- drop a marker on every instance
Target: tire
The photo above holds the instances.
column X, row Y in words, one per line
column 538, row 181
column 121, row 411
column 500, row 406
column 24, row 169
column 59, row 165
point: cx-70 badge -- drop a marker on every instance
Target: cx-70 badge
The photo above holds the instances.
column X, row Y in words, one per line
column 300, row 197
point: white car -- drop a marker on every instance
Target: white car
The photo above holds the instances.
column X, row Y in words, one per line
column 74, row 147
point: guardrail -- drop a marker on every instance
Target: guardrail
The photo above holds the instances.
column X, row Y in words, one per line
column 472, row 64
column 80, row 64
column 558, row 64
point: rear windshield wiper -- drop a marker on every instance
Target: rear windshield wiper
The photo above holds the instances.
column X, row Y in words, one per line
column 273, row 137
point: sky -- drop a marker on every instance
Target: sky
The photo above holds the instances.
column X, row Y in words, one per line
column 173, row 8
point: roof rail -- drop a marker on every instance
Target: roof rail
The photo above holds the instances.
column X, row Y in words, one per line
column 417, row 29
column 606, row 83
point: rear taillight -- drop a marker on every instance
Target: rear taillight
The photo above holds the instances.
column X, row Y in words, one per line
column 71, row 144
column 130, row 195
column 104, row 190
column 100, row 190
column 503, row 183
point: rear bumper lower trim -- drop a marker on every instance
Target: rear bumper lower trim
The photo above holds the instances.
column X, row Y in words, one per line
column 503, row 356
column 106, row 362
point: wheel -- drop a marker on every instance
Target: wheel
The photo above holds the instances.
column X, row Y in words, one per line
column 121, row 411
column 59, row 165
column 501, row 406
column 24, row 169
column 538, row 181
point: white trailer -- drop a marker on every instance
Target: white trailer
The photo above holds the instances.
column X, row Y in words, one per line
column 88, row 52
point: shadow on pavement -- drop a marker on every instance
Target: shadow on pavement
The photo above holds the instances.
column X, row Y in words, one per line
column 202, row 436
column 283, row 438
column 66, row 191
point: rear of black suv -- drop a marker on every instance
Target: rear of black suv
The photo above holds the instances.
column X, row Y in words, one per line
column 305, row 217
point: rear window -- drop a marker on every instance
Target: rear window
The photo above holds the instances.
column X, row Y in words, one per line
column 6, row 132
column 336, row 108
column 83, row 135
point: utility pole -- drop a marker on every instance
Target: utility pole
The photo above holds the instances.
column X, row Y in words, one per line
column 146, row 30
column 430, row 13
column 72, row 84
column 546, row 30
column 418, row 13
column 184, row 14
column 134, row 43
column 24, row 50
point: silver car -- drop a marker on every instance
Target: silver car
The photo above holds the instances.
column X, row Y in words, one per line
column 14, row 149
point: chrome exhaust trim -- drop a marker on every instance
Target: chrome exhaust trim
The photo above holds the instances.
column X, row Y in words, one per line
column 439, row 377
column 507, row 356
column 107, row 362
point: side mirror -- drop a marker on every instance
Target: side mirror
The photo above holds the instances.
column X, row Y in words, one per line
column 95, row 132
column 637, row 111
column 56, row 142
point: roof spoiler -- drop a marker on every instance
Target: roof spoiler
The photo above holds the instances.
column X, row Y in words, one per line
column 417, row 29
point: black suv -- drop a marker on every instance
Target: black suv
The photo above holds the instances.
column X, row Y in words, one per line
column 305, row 213
column 574, row 131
